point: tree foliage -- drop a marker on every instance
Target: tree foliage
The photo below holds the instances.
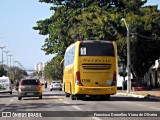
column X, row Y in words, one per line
column 101, row 20
column 53, row 70
column 15, row 73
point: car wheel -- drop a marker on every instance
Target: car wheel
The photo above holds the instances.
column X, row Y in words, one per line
column 50, row 89
column 19, row 98
column 11, row 92
column 40, row 97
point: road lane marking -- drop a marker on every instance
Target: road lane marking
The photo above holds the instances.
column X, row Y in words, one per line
column 148, row 106
column 142, row 105
column 155, row 108
column 66, row 102
column 78, row 108
column 7, row 104
column 96, row 118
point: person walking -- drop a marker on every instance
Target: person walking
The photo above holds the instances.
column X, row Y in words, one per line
column 45, row 84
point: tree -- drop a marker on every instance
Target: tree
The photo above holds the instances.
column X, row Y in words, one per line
column 3, row 72
column 16, row 73
column 53, row 69
column 101, row 20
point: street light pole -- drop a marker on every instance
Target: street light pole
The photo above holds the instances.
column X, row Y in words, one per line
column 7, row 61
column 128, row 57
column 7, row 56
column 2, row 53
column 10, row 59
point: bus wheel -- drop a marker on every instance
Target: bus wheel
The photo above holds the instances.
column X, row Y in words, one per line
column 73, row 97
column 67, row 94
column 107, row 97
column 19, row 98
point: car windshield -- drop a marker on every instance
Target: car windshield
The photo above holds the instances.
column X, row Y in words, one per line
column 30, row 82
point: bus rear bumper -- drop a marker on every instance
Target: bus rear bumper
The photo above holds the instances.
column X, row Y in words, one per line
column 97, row 90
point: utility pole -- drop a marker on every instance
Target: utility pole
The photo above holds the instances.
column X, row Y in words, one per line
column 2, row 47
column 7, row 61
column 128, row 57
column 10, row 59
column 6, row 56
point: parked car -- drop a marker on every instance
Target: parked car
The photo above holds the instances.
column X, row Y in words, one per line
column 29, row 88
column 55, row 85
column 5, row 85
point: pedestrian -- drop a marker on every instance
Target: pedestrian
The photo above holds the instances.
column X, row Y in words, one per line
column 17, row 84
column 45, row 84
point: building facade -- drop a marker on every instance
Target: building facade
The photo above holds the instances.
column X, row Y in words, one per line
column 152, row 78
column 39, row 67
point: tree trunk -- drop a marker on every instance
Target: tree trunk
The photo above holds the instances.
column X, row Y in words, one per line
column 139, row 80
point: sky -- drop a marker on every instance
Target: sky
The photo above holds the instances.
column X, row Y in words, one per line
column 17, row 17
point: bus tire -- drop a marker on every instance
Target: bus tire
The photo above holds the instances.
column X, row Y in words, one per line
column 67, row 94
column 19, row 98
column 107, row 97
column 40, row 97
column 73, row 97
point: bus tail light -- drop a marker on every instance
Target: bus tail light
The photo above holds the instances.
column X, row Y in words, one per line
column 78, row 81
column 114, row 82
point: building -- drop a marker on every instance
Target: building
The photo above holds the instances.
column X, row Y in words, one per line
column 39, row 67
column 152, row 78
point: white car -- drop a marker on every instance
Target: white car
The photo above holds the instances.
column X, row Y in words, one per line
column 56, row 85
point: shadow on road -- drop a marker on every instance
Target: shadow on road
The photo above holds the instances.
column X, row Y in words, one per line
column 7, row 95
column 39, row 105
column 53, row 94
column 119, row 98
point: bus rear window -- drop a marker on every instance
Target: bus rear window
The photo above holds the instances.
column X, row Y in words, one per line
column 96, row 49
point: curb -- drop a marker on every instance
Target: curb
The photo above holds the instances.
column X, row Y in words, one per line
column 139, row 96
column 153, row 97
column 131, row 95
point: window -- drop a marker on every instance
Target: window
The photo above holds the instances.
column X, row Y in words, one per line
column 30, row 82
column 96, row 49
column 69, row 56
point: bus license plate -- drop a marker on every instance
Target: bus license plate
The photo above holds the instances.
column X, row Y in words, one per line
column 96, row 90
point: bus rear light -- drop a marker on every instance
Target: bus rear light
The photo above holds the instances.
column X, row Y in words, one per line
column 114, row 82
column 78, row 81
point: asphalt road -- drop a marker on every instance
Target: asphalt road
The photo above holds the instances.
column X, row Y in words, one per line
column 54, row 103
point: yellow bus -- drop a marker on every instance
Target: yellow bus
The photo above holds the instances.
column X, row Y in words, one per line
column 90, row 69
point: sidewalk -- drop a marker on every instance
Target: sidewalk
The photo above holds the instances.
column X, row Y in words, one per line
column 151, row 94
